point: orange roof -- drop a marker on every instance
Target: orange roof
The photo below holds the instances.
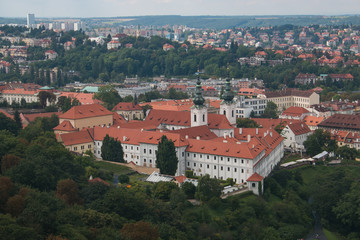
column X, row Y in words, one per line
column 84, row 98
column 65, row 126
column 171, row 105
column 85, row 111
column 312, row 120
column 294, row 111
column 193, row 132
column 255, row 178
column 117, row 119
column 299, row 128
column 269, row 123
column 19, row 91
column 180, row 179
column 6, row 113
column 126, row 106
column 75, row 138
column 32, row 117
column 95, row 180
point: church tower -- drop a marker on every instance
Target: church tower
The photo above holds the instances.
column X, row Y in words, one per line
column 199, row 114
column 228, row 105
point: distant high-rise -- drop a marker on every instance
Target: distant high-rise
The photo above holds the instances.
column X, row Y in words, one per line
column 30, row 19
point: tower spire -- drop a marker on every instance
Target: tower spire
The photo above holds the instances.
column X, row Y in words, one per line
column 228, row 95
column 198, row 99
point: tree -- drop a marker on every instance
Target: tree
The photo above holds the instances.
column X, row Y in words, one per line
column 189, row 189
column 7, row 123
column 246, row 123
column 347, row 153
column 208, row 188
column 166, row 159
column 18, row 120
column 111, row 150
column 163, row 190
column 8, row 161
column 318, row 142
column 109, row 96
column 67, row 190
column 139, row 231
column 45, row 97
column 270, row 111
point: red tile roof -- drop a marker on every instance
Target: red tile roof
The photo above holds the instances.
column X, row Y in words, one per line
column 180, row 179
column 118, row 120
column 294, row 111
column 202, row 131
column 255, row 178
column 85, row 111
column 288, row 92
column 96, row 180
column 312, row 120
column 65, row 126
column 299, row 128
column 343, row 121
column 84, row 98
column 6, row 114
column 75, row 138
column 32, row 117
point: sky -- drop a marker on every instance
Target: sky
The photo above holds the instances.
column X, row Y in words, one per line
column 119, row 8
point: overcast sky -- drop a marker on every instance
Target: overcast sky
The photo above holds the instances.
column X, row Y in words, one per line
column 115, row 8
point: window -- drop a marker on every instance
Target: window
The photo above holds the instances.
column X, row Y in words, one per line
column 234, row 160
column 194, row 164
column 194, row 118
column 207, row 166
column 144, row 159
column 131, row 147
column 182, row 154
column 75, row 148
column 150, row 151
column 82, row 147
column 228, row 169
column 253, row 185
column 228, row 159
column 203, row 117
column 137, row 148
column 242, row 170
column 235, row 169
column 207, row 156
column 125, row 147
column 214, row 166
column 221, row 158
column 214, row 157
column 89, row 146
column 200, row 155
column 242, row 161
column 200, row 165
column 144, row 150
column 221, row 168
column 150, row 161
column 188, row 154
column 194, row 155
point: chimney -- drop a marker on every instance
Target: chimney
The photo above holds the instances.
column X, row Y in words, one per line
column 142, row 130
column 240, row 131
column 124, row 138
column 257, row 131
column 270, row 134
column 248, row 137
column 264, row 134
column 186, row 136
column 198, row 138
column 118, row 127
column 225, row 135
column 302, row 125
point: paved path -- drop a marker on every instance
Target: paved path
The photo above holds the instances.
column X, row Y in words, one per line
column 318, row 232
column 139, row 169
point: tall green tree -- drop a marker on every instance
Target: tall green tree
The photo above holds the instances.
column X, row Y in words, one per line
column 318, row 142
column 166, row 159
column 111, row 150
column 270, row 111
column 246, row 123
column 208, row 188
column 18, row 120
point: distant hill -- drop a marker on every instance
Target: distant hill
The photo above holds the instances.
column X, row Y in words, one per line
column 219, row 22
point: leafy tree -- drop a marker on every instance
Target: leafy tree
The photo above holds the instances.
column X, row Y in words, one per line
column 140, row 231
column 18, row 120
column 208, row 188
column 166, row 159
column 123, row 178
column 111, row 150
column 45, row 97
column 347, row 153
column 162, row 190
column 10, row 229
column 7, row 123
column 246, row 123
column 8, row 161
column 189, row 189
column 67, row 190
column 109, row 96
column 6, row 187
column 270, row 111
column 94, row 191
column 318, row 142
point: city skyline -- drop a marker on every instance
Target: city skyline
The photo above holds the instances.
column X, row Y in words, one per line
column 119, row 8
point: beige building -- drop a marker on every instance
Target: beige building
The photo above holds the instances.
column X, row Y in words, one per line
column 78, row 142
column 292, row 97
column 85, row 116
column 129, row 110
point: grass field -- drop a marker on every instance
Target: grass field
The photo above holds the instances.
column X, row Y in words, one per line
column 112, row 167
column 330, row 236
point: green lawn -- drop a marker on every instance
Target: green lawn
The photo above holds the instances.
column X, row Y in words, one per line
column 117, row 169
column 289, row 157
column 330, row 236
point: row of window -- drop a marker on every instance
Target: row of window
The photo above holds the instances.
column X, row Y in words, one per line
column 221, row 167
column 215, row 158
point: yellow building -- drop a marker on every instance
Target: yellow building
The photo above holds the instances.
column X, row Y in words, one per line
column 84, row 116
column 292, row 98
column 78, row 142
column 129, row 110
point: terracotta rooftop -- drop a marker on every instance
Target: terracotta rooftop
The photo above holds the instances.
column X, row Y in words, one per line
column 31, row 117
column 85, row 111
column 299, row 128
column 288, row 92
column 75, row 138
column 343, row 121
column 294, row 111
column 202, row 131
column 65, row 126
column 312, row 120
column 255, row 178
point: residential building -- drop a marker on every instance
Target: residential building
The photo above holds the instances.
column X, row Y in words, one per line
column 292, row 97
column 344, row 122
column 244, row 106
column 30, row 20
column 306, row 78
column 295, row 135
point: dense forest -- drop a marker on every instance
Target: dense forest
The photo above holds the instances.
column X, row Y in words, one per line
column 45, row 194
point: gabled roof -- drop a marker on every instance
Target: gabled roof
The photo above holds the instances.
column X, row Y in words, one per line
column 255, row 178
column 118, row 119
column 193, row 132
column 126, row 106
column 288, row 92
column 65, row 126
column 294, row 111
column 99, row 180
column 6, row 114
column 345, row 121
column 268, row 123
column 75, row 138
column 312, row 120
column 85, row 111
column 299, row 128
